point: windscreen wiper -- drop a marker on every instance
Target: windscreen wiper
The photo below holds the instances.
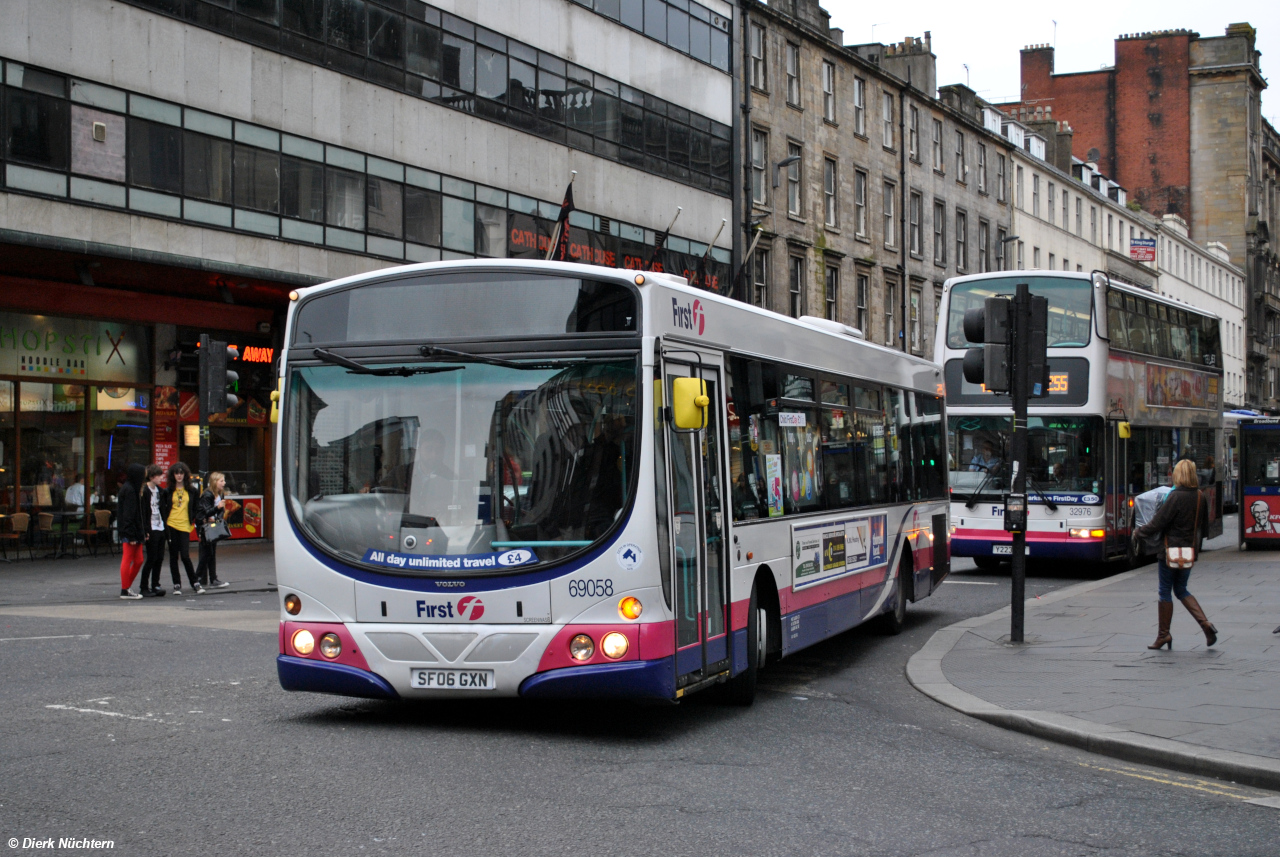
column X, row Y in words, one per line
column 437, row 351
column 973, row 498
column 360, row 369
column 1053, row 507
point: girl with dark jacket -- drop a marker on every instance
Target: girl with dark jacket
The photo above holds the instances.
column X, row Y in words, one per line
column 210, row 508
column 129, row 525
column 1180, row 519
column 155, row 508
column 177, row 525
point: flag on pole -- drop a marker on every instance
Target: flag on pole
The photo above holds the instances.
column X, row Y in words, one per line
column 559, row 250
column 659, row 242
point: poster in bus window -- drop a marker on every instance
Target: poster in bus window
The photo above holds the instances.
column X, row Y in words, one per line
column 773, row 479
column 803, row 462
column 1262, row 517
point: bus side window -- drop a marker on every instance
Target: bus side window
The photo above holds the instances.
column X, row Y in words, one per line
column 897, row 447
column 750, row 440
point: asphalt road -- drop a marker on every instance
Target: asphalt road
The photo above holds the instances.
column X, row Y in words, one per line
column 174, row 737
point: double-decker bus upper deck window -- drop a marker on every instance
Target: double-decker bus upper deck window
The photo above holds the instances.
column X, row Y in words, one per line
column 428, row 308
column 1070, row 306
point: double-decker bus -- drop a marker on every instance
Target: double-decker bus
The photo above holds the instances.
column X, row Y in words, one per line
column 1258, row 445
column 521, row 478
column 1134, row 385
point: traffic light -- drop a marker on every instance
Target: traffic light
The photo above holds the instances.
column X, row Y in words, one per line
column 988, row 364
column 1037, row 351
column 216, row 381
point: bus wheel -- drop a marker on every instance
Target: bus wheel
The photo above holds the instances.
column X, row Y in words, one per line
column 742, row 687
column 897, row 619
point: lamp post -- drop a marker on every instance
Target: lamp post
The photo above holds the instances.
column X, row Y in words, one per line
column 1005, row 256
column 777, row 168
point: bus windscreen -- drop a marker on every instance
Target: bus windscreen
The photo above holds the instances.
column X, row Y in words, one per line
column 1070, row 307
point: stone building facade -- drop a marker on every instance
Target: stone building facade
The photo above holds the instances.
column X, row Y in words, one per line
column 1177, row 120
column 864, row 190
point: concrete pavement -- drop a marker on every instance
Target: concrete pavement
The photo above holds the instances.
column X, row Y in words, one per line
column 1085, row 677
column 88, row 589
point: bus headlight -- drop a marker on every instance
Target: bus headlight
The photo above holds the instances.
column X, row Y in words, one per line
column 1088, row 534
column 630, row 608
column 292, row 604
column 304, row 643
column 581, row 648
column 614, row 645
column 330, row 645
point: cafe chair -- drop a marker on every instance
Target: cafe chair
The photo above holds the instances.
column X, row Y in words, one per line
column 93, row 535
column 17, row 531
column 49, row 537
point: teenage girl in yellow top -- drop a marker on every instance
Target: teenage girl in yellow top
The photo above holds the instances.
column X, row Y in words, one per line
column 177, row 525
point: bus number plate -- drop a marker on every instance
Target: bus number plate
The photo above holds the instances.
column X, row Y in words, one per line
column 454, row 679
column 1006, row 550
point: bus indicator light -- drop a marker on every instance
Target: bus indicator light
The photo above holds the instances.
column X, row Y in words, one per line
column 630, row 608
column 292, row 604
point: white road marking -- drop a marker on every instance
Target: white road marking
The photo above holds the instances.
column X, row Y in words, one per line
column 148, row 718
column 57, row 637
column 1273, row 802
column 971, row 582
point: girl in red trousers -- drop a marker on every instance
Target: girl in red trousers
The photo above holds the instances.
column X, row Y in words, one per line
column 129, row 525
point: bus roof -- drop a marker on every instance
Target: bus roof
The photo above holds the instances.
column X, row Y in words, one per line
column 1118, row 285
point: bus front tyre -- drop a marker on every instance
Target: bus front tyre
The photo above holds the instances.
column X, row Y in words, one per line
column 742, row 687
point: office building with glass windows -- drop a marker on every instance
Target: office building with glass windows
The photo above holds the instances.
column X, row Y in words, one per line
column 175, row 167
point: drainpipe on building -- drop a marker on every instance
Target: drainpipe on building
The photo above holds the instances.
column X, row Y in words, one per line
column 742, row 153
column 903, row 238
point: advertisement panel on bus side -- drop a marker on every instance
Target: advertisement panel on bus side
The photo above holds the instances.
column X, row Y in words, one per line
column 833, row 548
column 1156, row 393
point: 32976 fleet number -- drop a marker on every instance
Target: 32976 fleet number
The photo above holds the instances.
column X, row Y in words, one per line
column 590, row 588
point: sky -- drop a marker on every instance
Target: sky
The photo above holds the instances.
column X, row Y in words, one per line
column 988, row 36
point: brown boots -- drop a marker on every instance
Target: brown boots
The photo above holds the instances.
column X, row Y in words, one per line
column 1164, row 638
column 1193, row 607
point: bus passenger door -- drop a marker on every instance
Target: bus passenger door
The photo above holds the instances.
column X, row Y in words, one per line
column 698, row 523
column 1117, row 479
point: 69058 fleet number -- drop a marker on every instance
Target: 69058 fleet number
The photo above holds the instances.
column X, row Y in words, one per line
column 590, row 588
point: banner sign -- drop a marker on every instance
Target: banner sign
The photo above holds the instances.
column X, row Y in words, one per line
column 529, row 237
column 1142, row 249
column 48, row 348
column 243, row 514
column 1174, row 387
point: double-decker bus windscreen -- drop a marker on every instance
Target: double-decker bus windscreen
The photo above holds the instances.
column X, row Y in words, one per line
column 1062, row 453
column 467, row 468
column 1070, row 306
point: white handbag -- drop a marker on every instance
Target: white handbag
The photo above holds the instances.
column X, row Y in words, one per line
column 1183, row 558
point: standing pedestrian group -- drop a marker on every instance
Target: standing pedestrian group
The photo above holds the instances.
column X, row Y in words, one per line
column 151, row 516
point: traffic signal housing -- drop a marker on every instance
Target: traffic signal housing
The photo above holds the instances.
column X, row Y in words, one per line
column 216, row 381
column 988, row 364
column 1037, row 349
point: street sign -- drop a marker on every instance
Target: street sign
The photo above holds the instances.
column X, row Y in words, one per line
column 1142, row 249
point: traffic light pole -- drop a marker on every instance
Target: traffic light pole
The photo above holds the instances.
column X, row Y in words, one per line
column 205, row 351
column 1020, row 354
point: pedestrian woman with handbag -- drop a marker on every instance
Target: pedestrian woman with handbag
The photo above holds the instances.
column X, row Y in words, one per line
column 1179, row 520
column 177, row 526
column 209, row 513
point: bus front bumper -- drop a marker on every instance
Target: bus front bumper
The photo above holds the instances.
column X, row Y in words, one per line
column 998, row 544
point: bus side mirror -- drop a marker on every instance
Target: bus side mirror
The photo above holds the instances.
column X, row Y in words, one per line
column 1124, row 431
column 275, row 401
column 689, row 403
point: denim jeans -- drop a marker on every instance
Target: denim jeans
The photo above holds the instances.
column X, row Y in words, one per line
column 1173, row 578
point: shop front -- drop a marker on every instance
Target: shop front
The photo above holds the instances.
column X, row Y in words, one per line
column 75, row 412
